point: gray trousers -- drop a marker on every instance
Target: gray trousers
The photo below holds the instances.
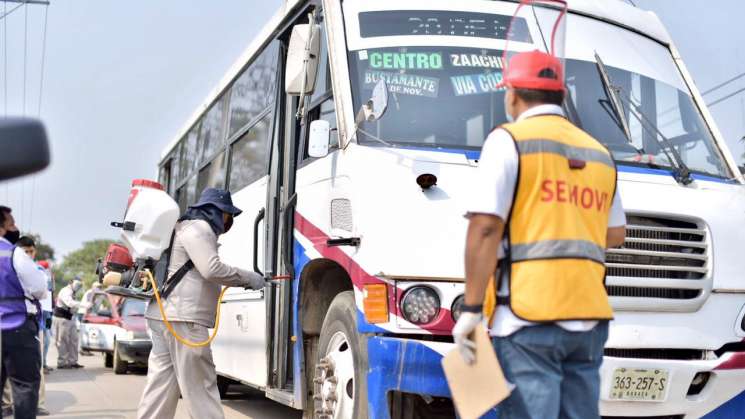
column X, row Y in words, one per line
column 66, row 341
column 174, row 368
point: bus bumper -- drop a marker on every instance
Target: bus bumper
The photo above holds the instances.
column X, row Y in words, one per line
column 414, row 366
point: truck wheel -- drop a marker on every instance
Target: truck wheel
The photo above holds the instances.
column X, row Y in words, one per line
column 108, row 360
column 340, row 383
column 120, row 365
column 222, row 386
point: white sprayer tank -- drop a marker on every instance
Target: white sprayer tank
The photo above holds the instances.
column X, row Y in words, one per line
column 149, row 220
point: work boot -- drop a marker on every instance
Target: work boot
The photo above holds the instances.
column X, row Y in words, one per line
column 42, row 411
column 63, row 367
column 77, row 366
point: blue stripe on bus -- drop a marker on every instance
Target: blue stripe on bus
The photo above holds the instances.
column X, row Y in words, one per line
column 476, row 154
column 299, row 260
column 732, row 409
column 403, row 365
column 470, row 154
column 664, row 172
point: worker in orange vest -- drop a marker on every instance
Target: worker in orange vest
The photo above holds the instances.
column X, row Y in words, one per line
column 545, row 208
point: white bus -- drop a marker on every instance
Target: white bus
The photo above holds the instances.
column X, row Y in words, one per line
column 354, row 194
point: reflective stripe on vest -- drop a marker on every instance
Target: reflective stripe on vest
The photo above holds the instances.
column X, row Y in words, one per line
column 570, row 152
column 567, row 249
column 558, row 223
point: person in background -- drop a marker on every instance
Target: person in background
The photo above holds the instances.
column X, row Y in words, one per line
column 28, row 245
column 64, row 327
column 22, row 285
column 47, row 307
column 85, row 304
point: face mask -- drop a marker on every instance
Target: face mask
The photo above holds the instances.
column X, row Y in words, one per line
column 228, row 224
column 12, row 236
column 506, row 112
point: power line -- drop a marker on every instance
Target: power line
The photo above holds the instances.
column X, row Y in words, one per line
column 5, row 61
column 6, row 13
column 38, row 109
column 723, row 98
column 737, row 77
column 25, row 54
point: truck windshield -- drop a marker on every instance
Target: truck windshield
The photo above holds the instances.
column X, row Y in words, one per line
column 445, row 98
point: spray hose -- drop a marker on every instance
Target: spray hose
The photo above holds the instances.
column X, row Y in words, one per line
column 168, row 324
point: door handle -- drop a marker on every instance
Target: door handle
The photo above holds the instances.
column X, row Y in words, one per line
column 259, row 217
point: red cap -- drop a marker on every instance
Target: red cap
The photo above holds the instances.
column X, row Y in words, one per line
column 147, row 184
column 534, row 70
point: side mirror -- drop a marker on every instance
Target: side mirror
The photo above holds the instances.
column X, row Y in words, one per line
column 24, row 146
column 302, row 59
column 318, row 140
column 375, row 107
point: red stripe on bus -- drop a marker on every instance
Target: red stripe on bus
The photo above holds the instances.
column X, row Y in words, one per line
column 360, row 277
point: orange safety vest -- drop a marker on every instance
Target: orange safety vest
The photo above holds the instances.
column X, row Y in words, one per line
column 558, row 223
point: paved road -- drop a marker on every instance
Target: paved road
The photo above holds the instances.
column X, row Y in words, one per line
column 96, row 392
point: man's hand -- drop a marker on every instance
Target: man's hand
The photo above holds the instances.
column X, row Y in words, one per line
column 467, row 322
column 253, row 281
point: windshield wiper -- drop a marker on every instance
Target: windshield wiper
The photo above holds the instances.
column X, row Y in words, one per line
column 681, row 172
column 613, row 99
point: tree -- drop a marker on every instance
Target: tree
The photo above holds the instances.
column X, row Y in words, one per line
column 44, row 251
column 82, row 262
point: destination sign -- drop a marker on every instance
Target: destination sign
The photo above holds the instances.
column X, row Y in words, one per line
column 407, row 84
column 442, row 23
column 473, row 84
column 405, row 60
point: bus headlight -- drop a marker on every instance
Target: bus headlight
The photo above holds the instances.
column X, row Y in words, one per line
column 420, row 305
column 457, row 306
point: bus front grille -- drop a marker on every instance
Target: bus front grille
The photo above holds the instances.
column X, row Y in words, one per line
column 654, row 353
column 665, row 259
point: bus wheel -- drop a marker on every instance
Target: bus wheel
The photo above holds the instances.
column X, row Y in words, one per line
column 339, row 384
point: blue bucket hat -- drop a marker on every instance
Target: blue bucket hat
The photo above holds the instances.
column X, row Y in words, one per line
column 219, row 198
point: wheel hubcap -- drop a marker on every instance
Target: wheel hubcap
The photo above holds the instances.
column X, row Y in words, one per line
column 333, row 385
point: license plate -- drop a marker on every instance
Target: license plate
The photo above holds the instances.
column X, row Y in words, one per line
column 638, row 384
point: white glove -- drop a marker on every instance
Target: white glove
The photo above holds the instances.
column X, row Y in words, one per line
column 467, row 322
column 253, row 280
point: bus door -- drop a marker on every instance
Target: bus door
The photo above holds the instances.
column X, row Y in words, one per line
column 280, row 214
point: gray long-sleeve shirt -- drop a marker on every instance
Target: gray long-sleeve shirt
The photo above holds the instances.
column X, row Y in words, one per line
column 194, row 299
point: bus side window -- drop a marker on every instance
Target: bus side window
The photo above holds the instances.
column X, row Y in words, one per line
column 213, row 175
column 249, row 155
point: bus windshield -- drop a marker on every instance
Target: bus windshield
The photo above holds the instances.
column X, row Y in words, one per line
column 445, row 97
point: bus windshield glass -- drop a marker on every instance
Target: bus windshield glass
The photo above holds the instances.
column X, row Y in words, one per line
column 445, row 97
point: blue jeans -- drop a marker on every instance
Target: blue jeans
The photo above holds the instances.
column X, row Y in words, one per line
column 556, row 372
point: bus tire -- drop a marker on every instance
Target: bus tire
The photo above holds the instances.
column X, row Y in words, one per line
column 340, row 376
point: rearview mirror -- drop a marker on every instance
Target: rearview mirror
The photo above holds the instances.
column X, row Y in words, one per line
column 302, row 59
column 375, row 107
column 318, row 140
column 23, row 147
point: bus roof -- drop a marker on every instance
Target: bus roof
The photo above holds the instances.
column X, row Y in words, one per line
column 617, row 12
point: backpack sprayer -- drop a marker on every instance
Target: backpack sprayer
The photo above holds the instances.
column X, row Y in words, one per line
column 147, row 234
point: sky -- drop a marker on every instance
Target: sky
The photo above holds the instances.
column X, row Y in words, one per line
column 121, row 79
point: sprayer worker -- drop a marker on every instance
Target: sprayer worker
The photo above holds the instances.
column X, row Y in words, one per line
column 174, row 367
column 22, row 285
column 535, row 183
column 64, row 327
